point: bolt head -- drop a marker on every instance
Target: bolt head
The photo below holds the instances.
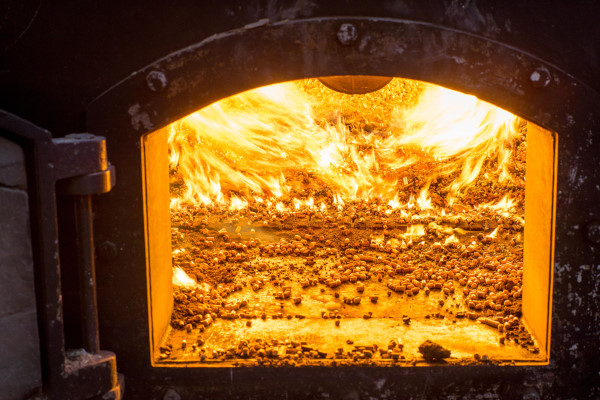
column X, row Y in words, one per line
column 156, row 81
column 540, row 77
column 347, row 34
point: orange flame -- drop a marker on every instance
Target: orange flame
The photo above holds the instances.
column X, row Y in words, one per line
column 245, row 148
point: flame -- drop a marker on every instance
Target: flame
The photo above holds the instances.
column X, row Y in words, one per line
column 451, row 239
column 181, row 279
column 415, row 231
column 503, row 207
column 449, row 125
column 423, row 200
column 250, row 147
column 493, row 234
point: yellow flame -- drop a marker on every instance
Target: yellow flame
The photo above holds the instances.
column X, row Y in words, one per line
column 503, row 207
column 424, row 201
column 451, row 239
column 493, row 234
column 449, row 125
column 181, row 279
column 415, row 230
column 246, row 147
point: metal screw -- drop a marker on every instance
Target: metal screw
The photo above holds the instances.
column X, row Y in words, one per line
column 156, row 81
column 170, row 394
column 347, row 34
column 593, row 232
column 540, row 77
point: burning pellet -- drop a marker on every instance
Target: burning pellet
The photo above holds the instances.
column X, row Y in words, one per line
column 489, row 322
column 472, row 315
column 400, row 346
column 374, row 299
column 297, row 300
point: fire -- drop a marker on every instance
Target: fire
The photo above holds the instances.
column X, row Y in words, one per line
column 181, row 279
column 284, row 191
column 259, row 144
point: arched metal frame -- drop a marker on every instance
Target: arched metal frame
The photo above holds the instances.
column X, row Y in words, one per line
column 264, row 53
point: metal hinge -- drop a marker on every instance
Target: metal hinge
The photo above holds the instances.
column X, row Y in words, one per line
column 82, row 165
column 81, row 170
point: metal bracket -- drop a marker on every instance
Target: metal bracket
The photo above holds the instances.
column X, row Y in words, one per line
column 82, row 167
column 91, row 375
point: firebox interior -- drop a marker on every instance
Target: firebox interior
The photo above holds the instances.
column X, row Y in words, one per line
column 298, row 291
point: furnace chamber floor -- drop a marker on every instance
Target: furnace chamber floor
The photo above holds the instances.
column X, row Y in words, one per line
column 306, row 338
column 364, row 284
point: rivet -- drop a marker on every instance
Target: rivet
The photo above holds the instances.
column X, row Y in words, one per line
column 156, row 81
column 593, row 232
column 540, row 77
column 347, row 34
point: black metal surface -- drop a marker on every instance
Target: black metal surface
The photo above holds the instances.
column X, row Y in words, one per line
column 88, row 375
column 539, row 60
column 87, row 273
column 81, row 170
column 79, row 154
column 243, row 58
column 355, row 84
column 92, row 183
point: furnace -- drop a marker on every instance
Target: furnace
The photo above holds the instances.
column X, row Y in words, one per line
column 312, row 227
column 287, row 200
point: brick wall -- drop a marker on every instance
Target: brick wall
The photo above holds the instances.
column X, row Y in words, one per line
column 20, row 371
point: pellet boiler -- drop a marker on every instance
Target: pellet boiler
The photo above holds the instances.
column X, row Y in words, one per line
column 510, row 56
